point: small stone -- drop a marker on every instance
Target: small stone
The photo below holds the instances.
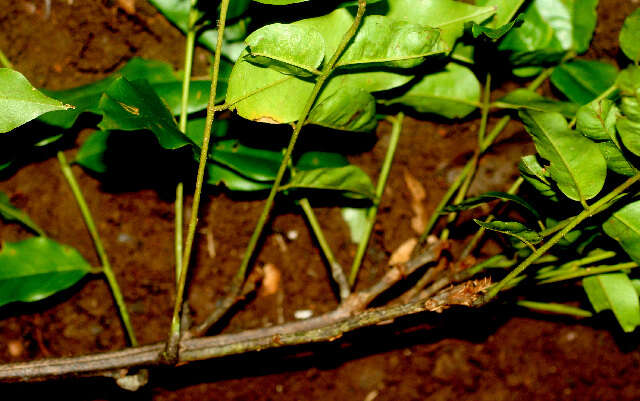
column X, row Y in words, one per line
column 303, row 314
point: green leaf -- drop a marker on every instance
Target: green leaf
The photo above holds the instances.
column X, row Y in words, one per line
column 131, row 106
column 20, row 102
column 551, row 28
column 476, row 201
column 171, row 94
column 629, row 131
column 525, row 99
column 350, row 180
column 614, row 292
column 357, row 221
column 629, row 81
column 624, row 227
column 36, row 268
column 11, row 213
column 629, row 36
column 383, row 41
column 616, row 161
column 514, row 229
column 494, row 34
column 505, row 10
column 313, row 160
column 349, row 109
column 91, row 153
column 256, row 164
column 217, row 174
column 576, row 163
column 536, row 175
column 446, row 15
column 288, row 48
column 280, row 2
column 597, row 120
column 581, row 81
column 452, row 93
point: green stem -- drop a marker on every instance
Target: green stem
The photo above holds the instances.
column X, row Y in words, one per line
column 171, row 353
column 552, row 271
column 554, row 308
column 336, row 270
column 373, row 210
column 603, row 95
column 585, row 214
column 5, row 61
column 590, row 271
column 184, row 113
column 486, row 104
column 102, row 255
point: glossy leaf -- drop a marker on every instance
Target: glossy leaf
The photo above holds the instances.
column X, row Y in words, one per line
column 256, row 164
column 349, row 109
column 476, row 201
column 11, row 213
column 314, row 159
column 537, row 176
column 494, row 34
column 280, row 2
column 629, row 81
column 614, row 292
column 217, row 175
column 446, row 15
column 514, row 229
column 505, row 10
column 351, row 180
column 551, row 28
column 357, row 221
column 91, row 153
column 452, row 93
column 36, row 268
column 624, row 227
column 288, row 48
column 629, row 131
column 582, row 81
column 576, row 164
column 525, row 99
column 383, row 41
column 20, row 102
column 629, row 35
column 597, row 120
column 131, row 106
column 616, row 161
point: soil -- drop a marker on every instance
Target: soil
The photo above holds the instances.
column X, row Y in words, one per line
column 497, row 353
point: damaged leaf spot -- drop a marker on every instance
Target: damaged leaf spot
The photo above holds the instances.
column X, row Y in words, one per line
column 130, row 109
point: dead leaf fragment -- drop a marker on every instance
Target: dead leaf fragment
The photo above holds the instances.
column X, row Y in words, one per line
column 402, row 254
column 418, row 195
column 271, row 280
column 128, row 6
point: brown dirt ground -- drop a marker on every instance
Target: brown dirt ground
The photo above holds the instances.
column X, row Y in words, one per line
column 498, row 353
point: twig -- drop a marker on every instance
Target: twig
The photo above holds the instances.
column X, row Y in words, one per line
column 327, row 327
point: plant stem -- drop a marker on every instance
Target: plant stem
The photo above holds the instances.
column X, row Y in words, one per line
column 373, row 210
column 486, row 104
column 102, row 255
column 171, row 352
column 184, row 113
column 554, row 308
column 336, row 270
column 5, row 61
column 590, row 271
column 572, row 266
column 585, row 214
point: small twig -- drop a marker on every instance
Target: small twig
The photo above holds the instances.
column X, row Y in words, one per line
column 102, row 254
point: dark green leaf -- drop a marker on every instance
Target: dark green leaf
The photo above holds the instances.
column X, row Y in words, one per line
column 133, row 106
column 280, row 2
column 36, row 268
column 505, row 10
column 624, row 227
column 576, row 163
column 537, row 176
column 288, row 48
column 313, row 160
column 514, row 229
column 217, row 174
column 616, row 161
column 452, row 93
column 349, row 109
column 476, row 201
column 597, row 120
column 629, row 35
column 525, row 99
column 91, row 153
column 20, row 102
column 350, row 180
column 582, row 81
column 494, row 34
column 614, row 292
column 11, row 213
column 253, row 163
